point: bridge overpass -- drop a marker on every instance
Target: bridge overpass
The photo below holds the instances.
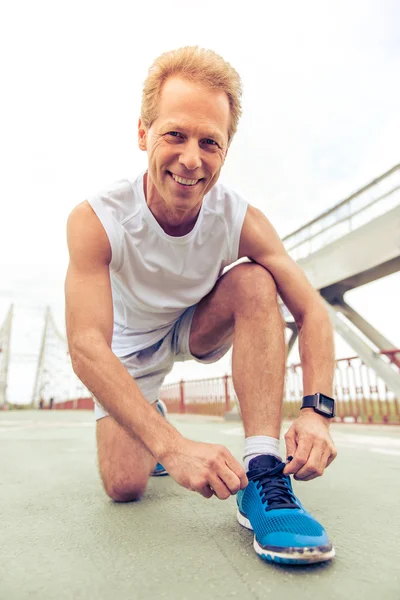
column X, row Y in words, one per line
column 352, row 244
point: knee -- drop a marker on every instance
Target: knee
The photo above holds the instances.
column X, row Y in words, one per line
column 125, row 491
column 253, row 285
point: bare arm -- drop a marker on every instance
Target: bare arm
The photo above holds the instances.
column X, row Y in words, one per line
column 260, row 242
column 308, row 439
column 89, row 318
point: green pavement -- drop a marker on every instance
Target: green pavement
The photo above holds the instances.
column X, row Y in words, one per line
column 63, row 538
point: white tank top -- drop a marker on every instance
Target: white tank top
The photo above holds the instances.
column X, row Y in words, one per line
column 155, row 277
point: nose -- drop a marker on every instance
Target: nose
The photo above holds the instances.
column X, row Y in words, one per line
column 190, row 155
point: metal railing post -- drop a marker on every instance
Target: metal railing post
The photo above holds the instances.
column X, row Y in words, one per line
column 182, row 396
column 227, row 397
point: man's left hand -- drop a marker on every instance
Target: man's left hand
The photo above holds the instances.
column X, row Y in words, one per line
column 309, row 442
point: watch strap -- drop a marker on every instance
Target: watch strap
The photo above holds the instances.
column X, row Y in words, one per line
column 310, row 401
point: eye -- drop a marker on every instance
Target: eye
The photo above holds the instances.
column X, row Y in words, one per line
column 173, row 133
column 210, row 142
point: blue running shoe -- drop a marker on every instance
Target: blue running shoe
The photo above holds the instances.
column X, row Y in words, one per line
column 284, row 532
column 159, row 470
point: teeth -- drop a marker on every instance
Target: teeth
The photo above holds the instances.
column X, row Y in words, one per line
column 184, row 181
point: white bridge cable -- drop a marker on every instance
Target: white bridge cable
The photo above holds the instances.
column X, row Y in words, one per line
column 55, row 378
column 5, row 343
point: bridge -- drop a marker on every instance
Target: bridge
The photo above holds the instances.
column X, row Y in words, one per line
column 352, row 244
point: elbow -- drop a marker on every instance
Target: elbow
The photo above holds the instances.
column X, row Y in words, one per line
column 77, row 359
column 316, row 313
column 83, row 350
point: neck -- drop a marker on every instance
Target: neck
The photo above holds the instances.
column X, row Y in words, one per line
column 174, row 221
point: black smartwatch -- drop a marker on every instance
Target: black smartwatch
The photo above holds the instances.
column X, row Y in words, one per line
column 322, row 404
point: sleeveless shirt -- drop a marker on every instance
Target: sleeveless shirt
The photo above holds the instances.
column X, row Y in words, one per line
column 154, row 276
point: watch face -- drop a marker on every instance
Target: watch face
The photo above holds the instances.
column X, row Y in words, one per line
column 326, row 404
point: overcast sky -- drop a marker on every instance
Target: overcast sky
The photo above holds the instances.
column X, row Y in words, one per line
column 320, row 119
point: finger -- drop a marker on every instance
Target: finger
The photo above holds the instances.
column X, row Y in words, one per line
column 325, row 458
column 206, row 491
column 219, row 487
column 300, row 457
column 315, row 464
column 332, row 456
column 238, row 470
column 291, row 445
column 230, row 479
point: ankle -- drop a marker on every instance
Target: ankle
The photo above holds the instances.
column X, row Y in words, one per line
column 260, row 444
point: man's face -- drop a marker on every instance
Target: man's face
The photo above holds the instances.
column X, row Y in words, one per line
column 186, row 144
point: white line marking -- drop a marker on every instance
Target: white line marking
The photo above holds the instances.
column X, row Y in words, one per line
column 42, row 425
column 367, row 440
column 233, row 431
column 347, row 445
column 371, row 443
column 383, row 451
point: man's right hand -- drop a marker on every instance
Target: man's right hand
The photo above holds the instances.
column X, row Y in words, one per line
column 205, row 468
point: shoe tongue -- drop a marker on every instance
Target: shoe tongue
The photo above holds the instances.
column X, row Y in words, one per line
column 264, row 461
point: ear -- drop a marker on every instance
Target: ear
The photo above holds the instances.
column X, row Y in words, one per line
column 142, row 135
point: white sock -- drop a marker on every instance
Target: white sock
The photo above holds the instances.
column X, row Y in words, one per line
column 259, row 444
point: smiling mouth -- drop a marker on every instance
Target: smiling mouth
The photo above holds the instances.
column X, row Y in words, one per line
column 182, row 181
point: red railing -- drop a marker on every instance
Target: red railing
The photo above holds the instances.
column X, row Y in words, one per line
column 362, row 397
column 214, row 396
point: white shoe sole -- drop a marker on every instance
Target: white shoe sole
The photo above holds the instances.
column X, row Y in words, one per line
column 303, row 556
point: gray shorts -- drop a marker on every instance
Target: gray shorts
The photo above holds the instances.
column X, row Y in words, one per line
column 149, row 366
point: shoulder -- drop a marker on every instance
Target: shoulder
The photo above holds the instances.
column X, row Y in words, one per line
column 86, row 236
column 258, row 236
column 118, row 199
column 113, row 206
column 224, row 200
column 221, row 193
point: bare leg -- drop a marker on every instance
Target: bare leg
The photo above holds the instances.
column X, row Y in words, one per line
column 124, row 462
column 243, row 307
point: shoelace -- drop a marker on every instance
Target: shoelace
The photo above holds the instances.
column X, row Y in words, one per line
column 274, row 488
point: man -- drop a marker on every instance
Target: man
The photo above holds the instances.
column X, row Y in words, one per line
column 145, row 287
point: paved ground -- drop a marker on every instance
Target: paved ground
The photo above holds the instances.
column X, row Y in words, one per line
column 62, row 538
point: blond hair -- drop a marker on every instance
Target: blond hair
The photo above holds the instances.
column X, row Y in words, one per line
column 193, row 64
